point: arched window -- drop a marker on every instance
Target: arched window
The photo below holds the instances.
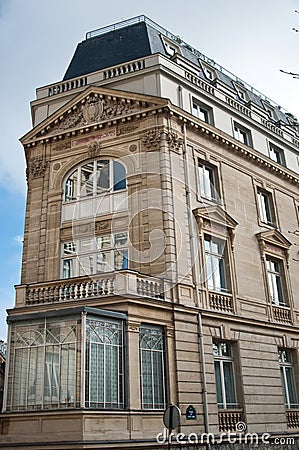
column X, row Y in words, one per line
column 95, row 178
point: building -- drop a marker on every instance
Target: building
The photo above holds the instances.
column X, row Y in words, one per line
column 2, row 369
column 160, row 261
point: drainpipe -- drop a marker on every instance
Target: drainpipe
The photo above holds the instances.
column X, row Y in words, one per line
column 194, row 253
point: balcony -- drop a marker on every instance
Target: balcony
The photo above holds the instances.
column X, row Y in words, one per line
column 292, row 418
column 124, row 283
column 221, row 302
column 228, row 419
column 282, row 314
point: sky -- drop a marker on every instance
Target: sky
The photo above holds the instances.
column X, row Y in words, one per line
column 253, row 40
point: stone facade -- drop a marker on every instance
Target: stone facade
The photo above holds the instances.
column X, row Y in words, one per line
column 175, row 228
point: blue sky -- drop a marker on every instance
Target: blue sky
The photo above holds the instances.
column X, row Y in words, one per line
column 38, row 38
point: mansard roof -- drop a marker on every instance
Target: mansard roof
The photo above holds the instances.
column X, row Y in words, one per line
column 141, row 37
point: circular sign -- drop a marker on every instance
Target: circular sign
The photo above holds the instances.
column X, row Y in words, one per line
column 172, row 417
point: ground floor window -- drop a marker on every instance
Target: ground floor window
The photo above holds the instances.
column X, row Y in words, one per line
column 224, row 374
column 152, row 367
column 104, row 364
column 52, row 367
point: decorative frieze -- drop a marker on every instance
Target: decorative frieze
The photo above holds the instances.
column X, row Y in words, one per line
column 36, row 167
column 152, row 139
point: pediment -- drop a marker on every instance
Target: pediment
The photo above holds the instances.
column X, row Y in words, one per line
column 216, row 215
column 274, row 237
column 94, row 106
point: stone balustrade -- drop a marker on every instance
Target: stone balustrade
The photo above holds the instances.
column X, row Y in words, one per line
column 292, row 418
column 221, row 302
column 124, row 283
column 228, row 420
column 282, row 314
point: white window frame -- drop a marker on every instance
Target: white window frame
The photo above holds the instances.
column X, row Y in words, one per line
column 222, row 359
column 218, row 279
column 208, row 181
column 286, row 363
column 276, row 154
column 266, row 207
column 276, row 281
column 202, row 111
column 242, row 134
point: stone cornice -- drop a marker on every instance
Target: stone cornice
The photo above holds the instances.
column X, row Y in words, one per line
column 231, row 144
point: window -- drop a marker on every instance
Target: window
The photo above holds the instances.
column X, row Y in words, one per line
column 95, row 178
column 224, row 374
column 152, row 367
column 48, row 359
column 95, row 255
column 277, row 155
column 266, row 207
column 287, row 378
column 208, row 181
column 215, row 256
column 104, row 364
column 276, row 281
column 202, row 111
column 242, row 134
column 170, row 47
column 44, row 366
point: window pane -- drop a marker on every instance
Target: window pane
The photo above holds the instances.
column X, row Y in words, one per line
column 119, row 173
column 151, row 342
column 68, row 268
column 218, row 385
column 45, row 365
column 103, row 175
column 291, row 386
column 229, row 384
column 71, row 187
column 87, row 177
column 120, row 239
column 103, row 242
column 104, row 366
column 121, row 259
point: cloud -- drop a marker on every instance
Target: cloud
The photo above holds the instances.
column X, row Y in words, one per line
column 19, row 239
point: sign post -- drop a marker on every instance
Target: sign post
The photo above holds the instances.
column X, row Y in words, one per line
column 171, row 419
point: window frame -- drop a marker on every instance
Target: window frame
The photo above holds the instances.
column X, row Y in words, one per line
column 276, row 282
column 286, row 363
column 240, row 130
column 206, row 110
column 225, row 360
column 279, row 154
column 92, row 189
column 119, row 360
column 71, row 264
column 152, row 404
column 222, row 264
column 266, row 209
column 208, row 181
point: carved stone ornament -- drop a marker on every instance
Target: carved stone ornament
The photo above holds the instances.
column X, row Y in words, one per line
column 93, row 110
column 36, row 167
column 152, row 138
column 94, row 149
column 174, row 141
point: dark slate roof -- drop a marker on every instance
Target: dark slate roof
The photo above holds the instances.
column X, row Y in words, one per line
column 110, row 49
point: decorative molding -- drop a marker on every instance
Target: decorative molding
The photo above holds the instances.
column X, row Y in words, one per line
column 152, row 139
column 36, row 167
column 94, row 149
column 174, row 141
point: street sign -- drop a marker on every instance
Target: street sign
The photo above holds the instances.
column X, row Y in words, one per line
column 172, row 417
column 191, row 413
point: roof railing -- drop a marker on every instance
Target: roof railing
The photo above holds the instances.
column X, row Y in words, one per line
column 177, row 39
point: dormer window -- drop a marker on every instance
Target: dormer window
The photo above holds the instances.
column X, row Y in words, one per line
column 170, row 47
